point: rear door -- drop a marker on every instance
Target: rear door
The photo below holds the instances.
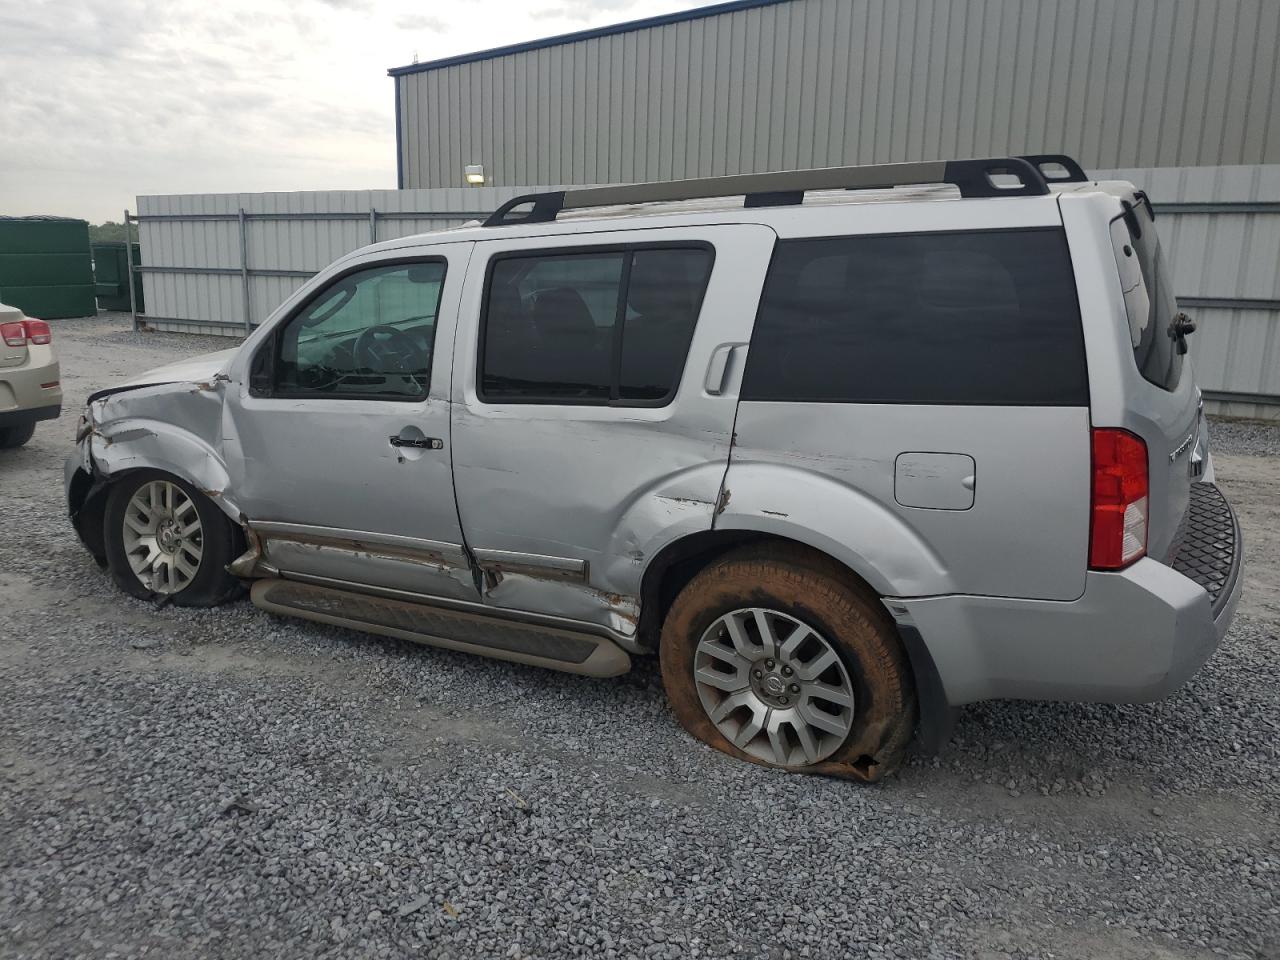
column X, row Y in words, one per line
column 594, row 392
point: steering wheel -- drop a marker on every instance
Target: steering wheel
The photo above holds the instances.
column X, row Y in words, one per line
column 384, row 349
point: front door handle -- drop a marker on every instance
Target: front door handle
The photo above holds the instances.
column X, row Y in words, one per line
column 421, row 443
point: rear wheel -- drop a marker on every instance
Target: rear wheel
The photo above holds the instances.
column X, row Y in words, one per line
column 11, row 437
column 775, row 656
column 165, row 539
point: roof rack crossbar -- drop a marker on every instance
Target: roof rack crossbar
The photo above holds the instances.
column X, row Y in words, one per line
column 974, row 178
column 1046, row 162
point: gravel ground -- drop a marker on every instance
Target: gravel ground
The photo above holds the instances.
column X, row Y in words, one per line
column 221, row 783
column 1245, row 438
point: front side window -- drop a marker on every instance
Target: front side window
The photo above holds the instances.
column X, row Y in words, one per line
column 1148, row 297
column 368, row 336
column 596, row 327
column 981, row 317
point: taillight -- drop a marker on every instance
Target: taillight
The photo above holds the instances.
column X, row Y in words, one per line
column 18, row 332
column 1118, row 522
column 38, row 331
column 15, row 334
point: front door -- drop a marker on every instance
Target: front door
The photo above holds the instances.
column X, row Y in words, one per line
column 594, row 396
column 342, row 431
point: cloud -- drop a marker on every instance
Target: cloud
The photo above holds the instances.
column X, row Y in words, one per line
column 104, row 100
column 416, row 22
column 589, row 11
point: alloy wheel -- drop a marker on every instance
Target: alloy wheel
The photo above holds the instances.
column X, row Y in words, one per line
column 163, row 537
column 774, row 687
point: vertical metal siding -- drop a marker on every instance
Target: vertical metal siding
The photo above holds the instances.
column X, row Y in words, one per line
column 1225, row 255
column 822, row 82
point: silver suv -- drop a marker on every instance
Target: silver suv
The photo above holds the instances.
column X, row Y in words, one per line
column 844, row 455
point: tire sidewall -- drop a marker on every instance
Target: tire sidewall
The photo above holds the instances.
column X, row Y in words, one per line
column 210, row 581
column 883, row 698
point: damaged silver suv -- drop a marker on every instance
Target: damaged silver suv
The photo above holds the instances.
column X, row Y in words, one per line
column 843, row 449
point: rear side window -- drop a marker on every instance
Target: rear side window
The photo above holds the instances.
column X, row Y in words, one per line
column 607, row 326
column 1148, row 297
column 985, row 317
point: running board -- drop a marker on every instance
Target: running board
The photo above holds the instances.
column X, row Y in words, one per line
column 502, row 639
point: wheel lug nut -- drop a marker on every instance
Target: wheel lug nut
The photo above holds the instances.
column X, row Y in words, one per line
column 783, row 700
column 786, row 671
column 769, row 664
column 795, row 688
column 758, row 674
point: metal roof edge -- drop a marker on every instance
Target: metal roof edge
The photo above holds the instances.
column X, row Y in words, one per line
column 662, row 20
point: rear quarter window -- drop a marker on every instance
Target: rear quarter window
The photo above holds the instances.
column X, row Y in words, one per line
column 981, row 317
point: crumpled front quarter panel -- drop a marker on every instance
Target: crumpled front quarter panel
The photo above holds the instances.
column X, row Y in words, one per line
column 174, row 427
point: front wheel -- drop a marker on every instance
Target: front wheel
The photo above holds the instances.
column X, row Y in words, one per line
column 775, row 656
column 165, row 539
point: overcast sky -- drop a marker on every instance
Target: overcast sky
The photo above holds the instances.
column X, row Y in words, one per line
column 103, row 100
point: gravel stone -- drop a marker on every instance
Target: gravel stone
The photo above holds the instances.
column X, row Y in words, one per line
column 253, row 786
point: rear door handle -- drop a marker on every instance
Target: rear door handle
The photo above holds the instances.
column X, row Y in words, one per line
column 422, row 443
column 718, row 368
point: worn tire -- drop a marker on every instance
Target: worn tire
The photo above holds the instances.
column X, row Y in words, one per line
column 820, row 592
column 13, row 437
column 212, row 585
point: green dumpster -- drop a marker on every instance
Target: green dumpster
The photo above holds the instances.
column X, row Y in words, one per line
column 110, row 270
column 45, row 267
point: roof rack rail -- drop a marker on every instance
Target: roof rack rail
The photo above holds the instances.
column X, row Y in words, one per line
column 974, row 178
column 1041, row 161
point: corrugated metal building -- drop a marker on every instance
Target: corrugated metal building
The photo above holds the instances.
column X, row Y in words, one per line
column 1184, row 95
column 759, row 85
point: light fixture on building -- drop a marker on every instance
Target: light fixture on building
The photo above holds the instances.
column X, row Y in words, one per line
column 475, row 174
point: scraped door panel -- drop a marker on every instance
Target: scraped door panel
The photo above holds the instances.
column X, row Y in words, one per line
column 563, row 500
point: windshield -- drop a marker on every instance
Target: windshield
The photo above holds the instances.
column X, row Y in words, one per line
column 1148, row 296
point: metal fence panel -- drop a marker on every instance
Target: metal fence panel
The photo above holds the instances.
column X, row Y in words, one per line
column 192, row 269
column 1221, row 226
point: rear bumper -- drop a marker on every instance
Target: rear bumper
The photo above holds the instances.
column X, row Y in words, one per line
column 1135, row 635
column 24, row 396
column 13, row 418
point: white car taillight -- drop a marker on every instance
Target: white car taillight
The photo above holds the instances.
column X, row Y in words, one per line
column 14, row 334
column 38, row 331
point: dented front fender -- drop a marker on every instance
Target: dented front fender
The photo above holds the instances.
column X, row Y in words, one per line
column 173, row 427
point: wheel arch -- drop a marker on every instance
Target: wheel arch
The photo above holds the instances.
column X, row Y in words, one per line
column 125, row 447
column 672, row 568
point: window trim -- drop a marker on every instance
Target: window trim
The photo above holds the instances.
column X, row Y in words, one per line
column 619, row 329
column 271, row 344
column 743, row 397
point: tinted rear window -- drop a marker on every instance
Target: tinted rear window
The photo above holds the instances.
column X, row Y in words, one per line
column 605, row 326
column 945, row 318
column 1148, row 297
